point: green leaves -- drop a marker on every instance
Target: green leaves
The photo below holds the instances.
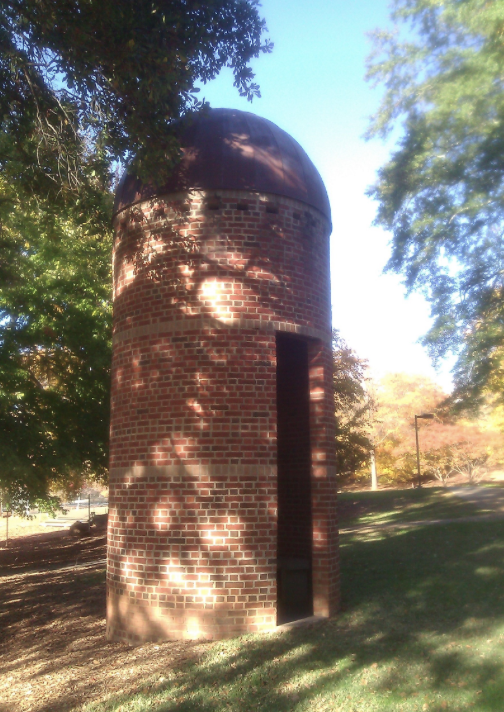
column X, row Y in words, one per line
column 85, row 87
column 108, row 80
column 441, row 194
column 55, row 348
column 351, row 407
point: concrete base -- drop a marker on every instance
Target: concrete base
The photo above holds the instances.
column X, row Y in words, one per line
column 310, row 620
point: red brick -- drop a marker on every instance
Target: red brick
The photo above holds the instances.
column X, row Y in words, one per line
column 199, row 299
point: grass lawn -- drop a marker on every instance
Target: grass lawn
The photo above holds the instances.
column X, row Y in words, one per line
column 406, row 505
column 422, row 628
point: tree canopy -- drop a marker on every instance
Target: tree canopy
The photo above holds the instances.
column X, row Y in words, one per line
column 85, row 86
column 351, row 408
column 441, row 194
column 449, row 444
column 85, row 83
column 395, row 399
column 55, row 349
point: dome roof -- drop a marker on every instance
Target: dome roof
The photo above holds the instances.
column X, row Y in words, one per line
column 226, row 149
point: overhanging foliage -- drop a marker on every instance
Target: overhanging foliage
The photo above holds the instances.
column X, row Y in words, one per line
column 82, row 80
column 441, row 194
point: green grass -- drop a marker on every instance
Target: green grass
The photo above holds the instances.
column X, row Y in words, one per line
column 422, row 628
column 390, row 506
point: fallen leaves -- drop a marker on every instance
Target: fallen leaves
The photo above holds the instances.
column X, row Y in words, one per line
column 55, row 655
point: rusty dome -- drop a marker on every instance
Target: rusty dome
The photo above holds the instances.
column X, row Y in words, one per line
column 227, row 149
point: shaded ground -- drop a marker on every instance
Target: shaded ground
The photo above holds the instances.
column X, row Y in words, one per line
column 350, row 509
column 365, row 508
column 54, row 656
column 422, row 630
column 53, row 549
column 428, row 624
column 492, row 498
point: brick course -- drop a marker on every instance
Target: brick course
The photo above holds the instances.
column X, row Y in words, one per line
column 203, row 284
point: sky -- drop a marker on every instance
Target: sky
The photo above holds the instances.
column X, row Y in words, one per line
column 313, row 87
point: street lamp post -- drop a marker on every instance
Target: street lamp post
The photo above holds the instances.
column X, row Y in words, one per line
column 425, row 416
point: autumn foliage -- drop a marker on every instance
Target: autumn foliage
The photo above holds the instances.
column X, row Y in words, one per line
column 448, row 445
column 380, row 416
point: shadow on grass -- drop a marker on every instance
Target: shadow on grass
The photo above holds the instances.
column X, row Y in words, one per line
column 422, row 629
column 391, row 506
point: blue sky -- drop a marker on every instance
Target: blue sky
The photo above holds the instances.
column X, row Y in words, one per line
column 313, row 87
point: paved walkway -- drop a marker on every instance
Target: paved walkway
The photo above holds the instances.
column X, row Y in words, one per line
column 490, row 497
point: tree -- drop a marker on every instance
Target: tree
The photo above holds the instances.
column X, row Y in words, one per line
column 83, row 84
column 396, row 398
column 460, row 447
column 448, row 444
column 349, row 375
column 55, row 349
column 441, row 194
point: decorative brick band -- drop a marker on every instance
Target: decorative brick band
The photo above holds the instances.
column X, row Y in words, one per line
column 190, row 197
column 174, row 473
column 200, row 322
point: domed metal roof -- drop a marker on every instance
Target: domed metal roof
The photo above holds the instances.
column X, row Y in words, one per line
column 226, row 149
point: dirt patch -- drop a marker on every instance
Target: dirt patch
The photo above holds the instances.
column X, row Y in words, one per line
column 54, row 655
column 52, row 549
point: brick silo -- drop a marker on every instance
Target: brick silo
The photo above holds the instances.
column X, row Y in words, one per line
column 222, row 474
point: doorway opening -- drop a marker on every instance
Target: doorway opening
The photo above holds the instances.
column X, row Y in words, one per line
column 294, row 537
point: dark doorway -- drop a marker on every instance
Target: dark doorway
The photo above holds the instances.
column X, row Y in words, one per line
column 294, row 552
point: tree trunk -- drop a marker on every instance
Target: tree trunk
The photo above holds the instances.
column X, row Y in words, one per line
column 374, row 479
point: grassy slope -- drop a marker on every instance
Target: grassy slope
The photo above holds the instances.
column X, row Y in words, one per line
column 404, row 506
column 422, row 628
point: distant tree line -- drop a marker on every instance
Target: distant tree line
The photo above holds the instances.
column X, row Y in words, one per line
column 375, row 421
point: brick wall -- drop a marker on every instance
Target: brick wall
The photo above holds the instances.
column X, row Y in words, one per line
column 203, row 283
